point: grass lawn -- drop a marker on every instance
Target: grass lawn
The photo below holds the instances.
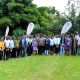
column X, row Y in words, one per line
column 41, row 68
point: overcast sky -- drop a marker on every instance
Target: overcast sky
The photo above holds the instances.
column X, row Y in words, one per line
column 58, row 4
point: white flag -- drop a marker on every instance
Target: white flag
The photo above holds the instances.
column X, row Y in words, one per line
column 7, row 31
column 30, row 28
column 66, row 27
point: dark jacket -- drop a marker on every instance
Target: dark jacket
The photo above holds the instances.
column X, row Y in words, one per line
column 62, row 41
column 22, row 44
column 47, row 44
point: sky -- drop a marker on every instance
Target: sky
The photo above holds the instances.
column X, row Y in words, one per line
column 58, row 4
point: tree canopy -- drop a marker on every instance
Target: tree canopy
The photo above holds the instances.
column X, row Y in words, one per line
column 17, row 14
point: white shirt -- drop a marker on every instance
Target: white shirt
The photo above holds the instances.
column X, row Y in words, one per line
column 29, row 40
column 11, row 44
column 51, row 41
column 57, row 41
column 7, row 43
column 77, row 37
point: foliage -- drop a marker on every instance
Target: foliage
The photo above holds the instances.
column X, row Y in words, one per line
column 19, row 13
column 19, row 32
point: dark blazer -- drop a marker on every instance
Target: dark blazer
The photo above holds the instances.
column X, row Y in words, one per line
column 20, row 43
column 62, row 37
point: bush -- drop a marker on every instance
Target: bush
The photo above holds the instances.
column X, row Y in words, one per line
column 19, row 32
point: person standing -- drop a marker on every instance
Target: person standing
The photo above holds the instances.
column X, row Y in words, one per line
column 22, row 44
column 41, row 44
column 47, row 45
column 76, row 40
column 62, row 45
column 1, row 48
column 72, row 45
column 7, row 48
column 78, row 46
column 57, row 44
column 52, row 45
column 35, row 46
column 11, row 45
column 29, row 47
column 68, row 45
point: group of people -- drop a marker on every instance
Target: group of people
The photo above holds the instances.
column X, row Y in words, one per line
column 38, row 45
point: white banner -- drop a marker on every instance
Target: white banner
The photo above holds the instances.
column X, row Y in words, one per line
column 66, row 27
column 7, row 31
column 30, row 28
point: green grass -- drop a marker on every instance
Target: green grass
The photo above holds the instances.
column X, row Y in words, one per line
column 41, row 68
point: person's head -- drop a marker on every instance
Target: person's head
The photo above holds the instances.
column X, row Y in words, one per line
column 67, row 35
column 2, row 38
column 8, row 37
column 46, row 36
